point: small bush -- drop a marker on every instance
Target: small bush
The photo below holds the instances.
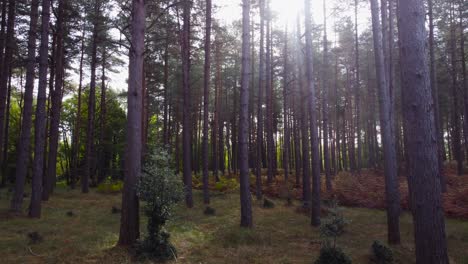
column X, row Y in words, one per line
column 110, row 187
column 70, row 214
column 268, row 204
column 160, row 189
column 332, row 255
column 116, row 210
column 334, row 225
column 209, row 211
column 381, row 254
column 35, row 238
column 225, row 184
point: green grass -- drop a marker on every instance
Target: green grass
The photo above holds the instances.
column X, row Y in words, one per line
column 280, row 235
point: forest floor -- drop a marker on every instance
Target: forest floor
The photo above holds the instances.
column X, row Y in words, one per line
column 280, row 234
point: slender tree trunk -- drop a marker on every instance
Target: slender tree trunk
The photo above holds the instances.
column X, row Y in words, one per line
column 76, row 133
column 286, row 92
column 306, row 196
column 40, row 123
column 89, row 154
column 245, row 197
column 357, row 89
column 456, row 135
column 261, row 83
column 56, row 101
column 4, row 75
column 25, row 134
column 186, row 132
column 423, row 180
column 206, row 101
column 325, row 101
column 388, row 141
column 129, row 222
column 269, row 99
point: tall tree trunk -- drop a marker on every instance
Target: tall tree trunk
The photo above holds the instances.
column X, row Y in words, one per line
column 129, row 222
column 456, row 136
column 286, row 92
column 40, row 123
column 56, row 101
column 245, row 197
column 187, row 109
column 26, row 122
column 386, row 124
column 261, row 83
column 103, row 155
column 315, row 212
column 325, row 114
column 306, row 196
column 435, row 96
column 89, row 153
column 269, row 99
column 357, row 89
column 423, row 180
column 4, row 75
column 77, row 129
column 206, row 101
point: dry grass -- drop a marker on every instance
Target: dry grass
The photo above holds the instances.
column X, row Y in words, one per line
column 280, row 235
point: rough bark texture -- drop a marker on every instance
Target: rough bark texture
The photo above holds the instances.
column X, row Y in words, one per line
column 57, row 94
column 325, row 84
column 187, row 113
column 40, row 122
column 26, row 122
column 315, row 212
column 261, row 83
column 4, row 75
column 386, row 124
column 269, row 99
column 245, row 197
column 423, row 181
column 129, row 222
column 206, row 100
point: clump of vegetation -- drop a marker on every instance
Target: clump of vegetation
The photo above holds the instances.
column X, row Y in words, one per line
column 110, row 187
column 331, row 228
column 35, row 238
column 70, row 214
column 268, row 204
column 381, row 254
column 209, row 211
column 116, row 210
column 160, row 189
column 226, row 184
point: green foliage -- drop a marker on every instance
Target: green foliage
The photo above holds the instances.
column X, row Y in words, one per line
column 226, row 184
column 160, row 189
column 268, row 204
column 110, row 187
column 381, row 254
column 209, row 211
column 334, row 225
column 332, row 255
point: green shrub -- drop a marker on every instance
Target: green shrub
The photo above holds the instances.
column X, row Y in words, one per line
column 110, row 187
column 268, row 204
column 224, row 184
column 209, row 211
column 160, row 189
column 332, row 255
column 334, row 225
column 381, row 254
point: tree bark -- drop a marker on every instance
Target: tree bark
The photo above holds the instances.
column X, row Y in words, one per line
column 26, row 122
column 206, row 101
column 325, row 114
column 386, row 124
column 315, row 212
column 245, row 197
column 129, row 222
column 186, row 129
column 420, row 135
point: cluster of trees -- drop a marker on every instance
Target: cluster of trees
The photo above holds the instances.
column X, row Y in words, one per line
column 308, row 98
